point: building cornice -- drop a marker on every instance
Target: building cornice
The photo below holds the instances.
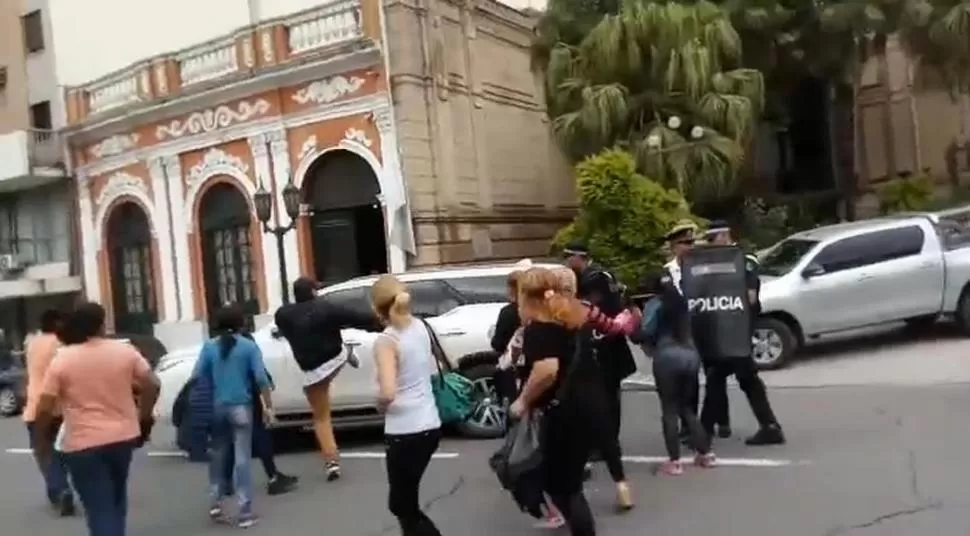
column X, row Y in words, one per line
column 347, row 108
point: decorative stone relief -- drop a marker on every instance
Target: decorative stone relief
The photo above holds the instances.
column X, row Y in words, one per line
column 212, row 119
column 308, row 147
column 328, row 89
column 121, row 183
column 357, row 135
column 257, row 144
column 114, row 145
column 382, row 119
column 214, row 161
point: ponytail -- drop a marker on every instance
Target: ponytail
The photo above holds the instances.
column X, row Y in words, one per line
column 227, row 341
column 400, row 308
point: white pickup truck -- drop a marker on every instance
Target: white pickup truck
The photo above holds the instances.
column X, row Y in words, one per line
column 912, row 268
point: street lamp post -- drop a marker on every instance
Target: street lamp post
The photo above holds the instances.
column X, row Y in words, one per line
column 655, row 142
column 264, row 210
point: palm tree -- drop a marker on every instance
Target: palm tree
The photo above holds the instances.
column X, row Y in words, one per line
column 659, row 79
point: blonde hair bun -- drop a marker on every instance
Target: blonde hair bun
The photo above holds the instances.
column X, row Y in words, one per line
column 402, row 300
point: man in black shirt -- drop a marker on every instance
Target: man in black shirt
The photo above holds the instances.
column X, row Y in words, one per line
column 743, row 368
column 598, row 287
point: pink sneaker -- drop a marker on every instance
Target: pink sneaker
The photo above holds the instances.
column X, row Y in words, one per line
column 672, row 468
column 705, row 460
column 551, row 521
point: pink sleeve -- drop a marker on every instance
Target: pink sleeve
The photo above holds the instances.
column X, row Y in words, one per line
column 53, row 379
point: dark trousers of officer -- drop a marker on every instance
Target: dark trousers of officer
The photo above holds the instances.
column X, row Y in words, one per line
column 716, row 398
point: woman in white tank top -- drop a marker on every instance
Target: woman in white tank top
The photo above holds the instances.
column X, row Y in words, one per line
column 412, row 428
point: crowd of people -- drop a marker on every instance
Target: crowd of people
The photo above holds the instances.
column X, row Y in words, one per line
column 564, row 353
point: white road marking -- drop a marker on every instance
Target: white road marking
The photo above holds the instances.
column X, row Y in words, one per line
column 727, row 462
column 379, row 455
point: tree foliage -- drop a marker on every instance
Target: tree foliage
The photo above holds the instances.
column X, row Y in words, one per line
column 618, row 81
column 623, row 216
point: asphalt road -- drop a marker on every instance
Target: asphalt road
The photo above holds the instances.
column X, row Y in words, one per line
column 876, row 460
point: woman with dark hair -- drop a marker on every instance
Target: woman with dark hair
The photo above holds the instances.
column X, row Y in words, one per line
column 231, row 362
column 676, row 365
column 40, row 353
column 92, row 379
column 558, row 353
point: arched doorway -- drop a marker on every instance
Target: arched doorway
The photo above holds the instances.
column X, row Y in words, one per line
column 130, row 265
column 346, row 220
column 227, row 250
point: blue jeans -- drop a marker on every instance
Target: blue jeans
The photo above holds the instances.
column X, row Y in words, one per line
column 55, row 475
column 100, row 476
column 232, row 431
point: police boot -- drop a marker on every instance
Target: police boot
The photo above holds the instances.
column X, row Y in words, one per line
column 768, row 435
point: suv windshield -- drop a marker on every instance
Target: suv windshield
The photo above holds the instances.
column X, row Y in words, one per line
column 783, row 256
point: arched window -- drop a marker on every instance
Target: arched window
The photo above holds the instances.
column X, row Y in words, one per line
column 227, row 249
column 130, row 260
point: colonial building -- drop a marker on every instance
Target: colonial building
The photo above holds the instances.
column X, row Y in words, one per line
column 413, row 131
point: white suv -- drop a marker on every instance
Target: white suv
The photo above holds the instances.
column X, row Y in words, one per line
column 460, row 306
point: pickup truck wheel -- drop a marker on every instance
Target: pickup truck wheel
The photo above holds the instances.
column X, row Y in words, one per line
column 773, row 343
column 488, row 416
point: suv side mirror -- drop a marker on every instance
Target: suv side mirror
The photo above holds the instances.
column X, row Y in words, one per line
column 812, row 270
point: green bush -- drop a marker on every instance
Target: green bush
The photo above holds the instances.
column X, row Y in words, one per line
column 906, row 194
column 623, row 216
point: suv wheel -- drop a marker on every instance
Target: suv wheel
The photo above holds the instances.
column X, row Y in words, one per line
column 489, row 413
column 9, row 402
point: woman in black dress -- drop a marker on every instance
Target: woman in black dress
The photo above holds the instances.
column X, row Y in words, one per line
column 557, row 349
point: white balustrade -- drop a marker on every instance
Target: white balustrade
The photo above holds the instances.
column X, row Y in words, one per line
column 331, row 25
column 114, row 93
column 208, row 63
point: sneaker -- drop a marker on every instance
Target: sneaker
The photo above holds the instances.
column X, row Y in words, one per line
column 672, row 468
column 216, row 514
column 769, row 435
column 551, row 521
column 705, row 460
column 281, row 484
column 724, row 431
column 333, row 471
column 65, row 505
column 246, row 520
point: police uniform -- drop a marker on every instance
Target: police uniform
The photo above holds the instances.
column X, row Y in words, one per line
column 716, row 409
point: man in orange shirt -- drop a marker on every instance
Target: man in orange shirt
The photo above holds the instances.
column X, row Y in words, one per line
column 40, row 352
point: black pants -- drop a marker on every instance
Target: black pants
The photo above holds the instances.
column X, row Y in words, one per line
column 408, row 456
column 607, row 427
column 568, row 437
column 677, row 388
column 716, row 398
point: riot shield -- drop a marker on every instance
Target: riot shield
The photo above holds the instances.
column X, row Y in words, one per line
column 713, row 281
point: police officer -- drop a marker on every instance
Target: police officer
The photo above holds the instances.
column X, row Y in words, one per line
column 598, row 287
column 716, row 409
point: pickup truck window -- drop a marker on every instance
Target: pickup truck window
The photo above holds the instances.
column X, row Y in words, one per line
column 783, row 256
column 871, row 248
